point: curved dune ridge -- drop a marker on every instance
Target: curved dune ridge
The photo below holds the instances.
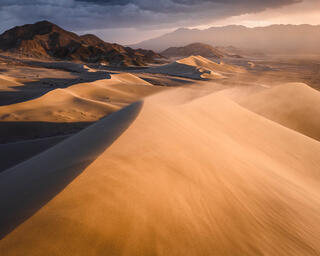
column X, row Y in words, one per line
column 202, row 177
column 80, row 102
column 294, row 105
column 196, row 67
column 199, row 61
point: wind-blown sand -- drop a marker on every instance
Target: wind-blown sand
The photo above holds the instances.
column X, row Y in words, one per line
column 188, row 176
column 294, row 105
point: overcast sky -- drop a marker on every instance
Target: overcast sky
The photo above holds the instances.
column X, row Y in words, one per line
column 130, row 21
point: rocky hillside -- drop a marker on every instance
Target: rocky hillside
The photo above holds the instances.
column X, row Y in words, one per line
column 46, row 40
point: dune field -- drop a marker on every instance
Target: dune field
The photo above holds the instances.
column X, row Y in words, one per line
column 203, row 169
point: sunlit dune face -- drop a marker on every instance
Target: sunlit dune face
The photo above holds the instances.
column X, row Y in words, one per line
column 206, row 177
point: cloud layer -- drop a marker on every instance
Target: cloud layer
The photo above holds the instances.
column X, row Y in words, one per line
column 84, row 15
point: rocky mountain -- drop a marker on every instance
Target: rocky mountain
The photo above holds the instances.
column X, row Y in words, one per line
column 46, row 40
column 201, row 49
column 282, row 39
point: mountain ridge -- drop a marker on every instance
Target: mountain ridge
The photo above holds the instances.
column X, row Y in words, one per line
column 46, row 40
column 292, row 39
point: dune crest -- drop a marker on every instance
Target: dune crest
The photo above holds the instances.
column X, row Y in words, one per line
column 199, row 61
column 205, row 177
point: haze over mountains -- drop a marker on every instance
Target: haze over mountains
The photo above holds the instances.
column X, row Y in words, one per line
column 283, row 39
column 46, row 40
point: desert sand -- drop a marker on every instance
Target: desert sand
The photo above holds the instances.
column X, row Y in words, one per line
column 204, row 169
column 294, row 105
column 69, row 108
column 81, row 102
column 196, row 67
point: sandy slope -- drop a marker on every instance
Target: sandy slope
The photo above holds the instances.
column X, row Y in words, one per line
column 196, row 67
column 80, row 102
column 203, row 177
column 294, row 105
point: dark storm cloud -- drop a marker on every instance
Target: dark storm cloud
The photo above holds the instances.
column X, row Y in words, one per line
column 88, row 14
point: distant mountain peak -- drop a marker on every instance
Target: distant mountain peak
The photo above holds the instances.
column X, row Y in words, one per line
column 44, row 23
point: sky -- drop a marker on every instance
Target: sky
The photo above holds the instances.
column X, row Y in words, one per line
column 131, row 21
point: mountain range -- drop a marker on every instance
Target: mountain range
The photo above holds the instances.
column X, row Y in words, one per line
column 279, row 39
column 47, row 40
column 204, row 50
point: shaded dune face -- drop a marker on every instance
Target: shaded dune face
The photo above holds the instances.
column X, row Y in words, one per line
column 197, row 177
column 14, row 153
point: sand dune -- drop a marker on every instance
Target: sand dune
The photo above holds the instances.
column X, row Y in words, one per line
column 199, row 61
column 294, row 105
column 203, row 177
column 196, row 67
column 80, row 102
column 7, row 82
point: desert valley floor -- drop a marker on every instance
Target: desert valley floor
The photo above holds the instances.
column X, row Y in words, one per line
column 192, row 157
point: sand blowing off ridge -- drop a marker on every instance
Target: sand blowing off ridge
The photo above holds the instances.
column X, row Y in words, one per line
column 294, row 105
column 202, row 177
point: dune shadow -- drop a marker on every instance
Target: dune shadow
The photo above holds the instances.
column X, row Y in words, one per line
column 17, row 152
column 28, row 186
column 120, row 69
column 11, row 131
column 168, row 81
column 179, row 70
column 35, row 89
